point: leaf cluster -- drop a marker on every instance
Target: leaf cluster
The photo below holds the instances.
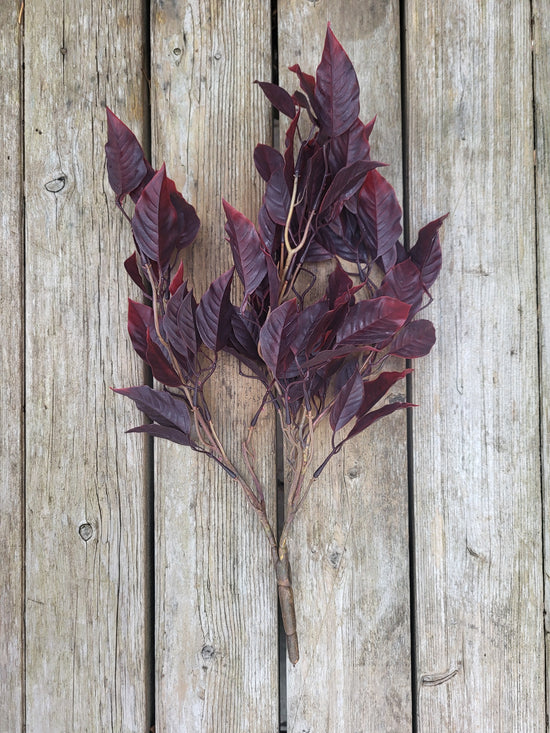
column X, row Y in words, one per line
column 324, row 199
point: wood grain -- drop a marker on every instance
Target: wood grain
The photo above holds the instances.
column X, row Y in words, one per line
column 349, row 544
column 479, row 574
column 216, row 594
column 541, row 54
column 86, row 594
column 12, row 369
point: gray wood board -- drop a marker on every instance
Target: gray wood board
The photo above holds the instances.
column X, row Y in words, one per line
column 477, row 509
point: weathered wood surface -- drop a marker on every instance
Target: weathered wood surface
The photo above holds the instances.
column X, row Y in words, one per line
column 477, row 494
column 349, row 544
column 76, row 620
column 216, row 609
column 86, row 555
column 541, row 68
column 11, row 369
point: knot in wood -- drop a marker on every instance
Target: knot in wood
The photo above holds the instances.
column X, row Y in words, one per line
column 86, row 531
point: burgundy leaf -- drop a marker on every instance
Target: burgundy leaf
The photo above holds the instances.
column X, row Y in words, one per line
column 330, row 357
column 179, row 324
column 426, row 253
column 140, row 320
column 336, row 89
column 289, row 150
column 245, row 332
column 160, row 366
column 366, row 420
column 338, row 284
column 307, row 322
column 160, row 406
column 276, row 335
column 353, row 145
column 345, row 183
column 248, row 255
column 307, row 82
column 347, row 402
column 154, row 220
column 177, row 279
column 403, row 282
column 372, row 321
column 214, row 312
column 163, row 222
column 415, row 339
column 379, row 214
column 127, row 167
column 161, row 431
column 267, row 160
column 277, row 197
column 187, row 221
column 323, row 331
column 278, row 97
column 134, row 271
column 375, row 389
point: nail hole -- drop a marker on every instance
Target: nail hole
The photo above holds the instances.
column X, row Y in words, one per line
column 177, row 52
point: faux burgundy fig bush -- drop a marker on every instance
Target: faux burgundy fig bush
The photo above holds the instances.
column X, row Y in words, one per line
column 316, row 359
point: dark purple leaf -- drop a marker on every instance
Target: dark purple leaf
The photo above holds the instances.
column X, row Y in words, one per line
column 352, row 146
column 244, row 336
column 267, row 229
column 278, row 97
column 307, row 322
column 366, row 420
column 289, row 150
column 375, row 389
column 160, row 365
column 179, row 324
column 336, row 89
column 345, row 183
column 160, row 406
column 177, row 279
column 140, row 320
column 134, row 271
column 267, row 160
column 214, row 312
column 163, row 222
column 276, row 336
column 248, row 254
column 339, row 286
column 379, row 214
column 415, row 339
column 426, row 253
column 372, row 321
column 403, row 282
column 161, row 431
column 277, row 197
column 347, row 402
column 307, row 82
column 154, row 220
column 127, row 168
column 187, row 221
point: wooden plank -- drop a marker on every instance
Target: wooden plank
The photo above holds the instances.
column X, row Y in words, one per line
column 479, row 574
column 541, row 54
column 86, row 594
column 12, row 369
column 349, row 544
column 216, row 597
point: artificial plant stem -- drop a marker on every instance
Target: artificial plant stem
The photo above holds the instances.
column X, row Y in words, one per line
column 286, row 603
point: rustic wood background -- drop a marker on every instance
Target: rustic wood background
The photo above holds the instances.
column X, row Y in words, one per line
column 137, row 588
